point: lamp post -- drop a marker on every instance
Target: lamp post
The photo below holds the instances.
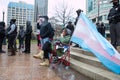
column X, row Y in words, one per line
column 98, row 10
column 4, row 41
column 3, row 15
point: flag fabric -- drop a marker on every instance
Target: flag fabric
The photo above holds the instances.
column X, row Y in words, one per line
column 87, row 36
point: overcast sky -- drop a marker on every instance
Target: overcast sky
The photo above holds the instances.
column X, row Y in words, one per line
column 76, row 4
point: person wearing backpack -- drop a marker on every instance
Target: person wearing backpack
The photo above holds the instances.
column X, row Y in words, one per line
column 2, row 35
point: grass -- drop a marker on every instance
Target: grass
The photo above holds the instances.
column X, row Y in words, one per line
column 34, row 41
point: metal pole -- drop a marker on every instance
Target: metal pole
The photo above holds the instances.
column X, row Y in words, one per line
column 4, row 41
column 3, row 15
column 98, row 10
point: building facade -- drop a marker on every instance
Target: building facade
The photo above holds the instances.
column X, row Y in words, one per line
column 40, row 8
column 97, row 10
column 20, row 11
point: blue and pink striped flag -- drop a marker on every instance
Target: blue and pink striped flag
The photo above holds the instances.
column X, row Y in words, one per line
column 87, row 36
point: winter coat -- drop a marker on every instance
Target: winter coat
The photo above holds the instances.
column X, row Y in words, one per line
column 46, row 30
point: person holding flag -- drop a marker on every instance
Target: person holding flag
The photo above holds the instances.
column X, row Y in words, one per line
column 78, row 14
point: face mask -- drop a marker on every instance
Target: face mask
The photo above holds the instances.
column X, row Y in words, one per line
column 115, row 3
column 42, row 20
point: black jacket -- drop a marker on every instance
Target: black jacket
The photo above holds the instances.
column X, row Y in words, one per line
column 2, row 28
column 114, row 14
column 14, row 33
column 28, row 29
column 71, row 27
column 45, row 30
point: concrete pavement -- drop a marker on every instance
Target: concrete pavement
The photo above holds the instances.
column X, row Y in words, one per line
column 25, row 67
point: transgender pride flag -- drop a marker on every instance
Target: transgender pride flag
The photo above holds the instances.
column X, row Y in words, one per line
column 87, row 36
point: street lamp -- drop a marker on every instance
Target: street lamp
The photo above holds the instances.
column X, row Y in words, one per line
column 98, row 10
column 3, row 15
column 4, row 41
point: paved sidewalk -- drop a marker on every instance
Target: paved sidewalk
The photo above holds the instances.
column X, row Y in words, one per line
column 25, row 67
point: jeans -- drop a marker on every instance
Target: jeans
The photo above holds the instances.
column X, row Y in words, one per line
column 44, row 40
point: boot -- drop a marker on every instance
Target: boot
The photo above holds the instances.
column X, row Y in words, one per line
column 12, row 53
column 39, row 55
column 45, row 63
column 9, row 50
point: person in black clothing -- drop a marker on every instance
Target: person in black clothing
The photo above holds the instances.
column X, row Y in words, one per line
column 28, row 37
column 98, row 27
column 46, row 30
column 46, row 33
column 114, row 22
column 78, row 14
column 11, row 35
column 2, row 35
column 103, row 29
column 70, row 27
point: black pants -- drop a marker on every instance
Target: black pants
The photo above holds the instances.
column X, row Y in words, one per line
column 1, row 40
column 11, row 40
column 38, row 40
column 27, row 43
column 115, row 34
column 47, row 49
column 14, row 44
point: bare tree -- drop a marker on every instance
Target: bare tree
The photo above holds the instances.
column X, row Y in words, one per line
column 63, row 13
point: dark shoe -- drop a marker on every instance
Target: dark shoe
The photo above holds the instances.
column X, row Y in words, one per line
column 26, row 52
column 76, row 45
column 11, row 54
column 2, row 51
column 9, row 50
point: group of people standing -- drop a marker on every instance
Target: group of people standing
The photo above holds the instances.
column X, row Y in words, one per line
column 12, row 34
column 114, row 23
column 46, row 33
column 101, row 28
